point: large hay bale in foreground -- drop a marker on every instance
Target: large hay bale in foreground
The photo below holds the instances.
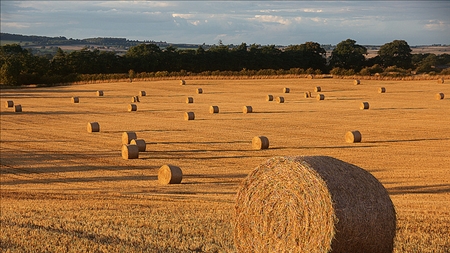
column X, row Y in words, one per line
column 313, row 204
column 247, row 109
column 140, row 143
column 9, row 104
column 75, row 100
column 170, row 174
column 18, row 108
column 439, row 96
column 213, row 109
column 128, row 136
column 260, row 142
column 93, row 127
column 353, row 136
column 130, row 151
column 189, row 116
column 100, row 93
column 364, row 105
column 269, row 98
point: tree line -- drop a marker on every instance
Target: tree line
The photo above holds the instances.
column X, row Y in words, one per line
column 19, row 66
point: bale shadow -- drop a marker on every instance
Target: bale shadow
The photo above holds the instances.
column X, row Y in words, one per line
column 419, row 189
column 410, row 140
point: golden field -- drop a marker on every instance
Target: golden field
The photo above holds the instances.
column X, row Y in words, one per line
column 66, row 190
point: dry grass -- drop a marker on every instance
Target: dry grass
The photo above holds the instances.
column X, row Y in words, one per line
column 63, row 189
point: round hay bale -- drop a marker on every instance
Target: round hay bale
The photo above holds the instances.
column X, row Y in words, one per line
column 353, row 136
column 313, row 204
column 100, row 93
column 128, row 136
column 381, row 90
column 199, row 91
column 317, row 89
column 135, row 99
column 247, row 109
column 130, row 151
column 132, row 107
column 269, row 98
column 440, row 80
column 310, row 76
column 364, row 105
column 439, row 96
column 307, row 94
column 286, row 90
column 93, row 127
column 18, row 108
column 189, row 100
column 182, row 82
column 9, row 104
column 170, row 174
column 213, row 109
column 189, row 116
column 140, row 143
column 356, row 82
column 260, row 142
column 320, row 97
column 75, row 100
column 280, row 100
column 142, row 93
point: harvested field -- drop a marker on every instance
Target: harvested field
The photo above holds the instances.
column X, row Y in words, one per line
column 66, row 190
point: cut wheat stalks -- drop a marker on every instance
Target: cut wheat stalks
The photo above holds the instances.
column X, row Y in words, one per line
column 353, row 136
column 439, row 96
column 182, row 82
column 189, row 100
column 135, row 99
column 286, row 90
column 307, row 94
column 140, row 143
column 382, row 90
column 17, row 108
column 9, row 104
column 356, row 82
column 189, row 116
column 199, row 91
column 132, row 107
column 130, row 151
column 170, row 174
column 320, row 97
column 364, row 105
column 269, row 98
column 75, row 100
column 142, row 93
column 213, row 109
column 313, row 204
column 317, row 89
column 100, row 93
column 280, row 100
column 93, row 127
column 128, row 136
column 247, row 109
column 260, row 142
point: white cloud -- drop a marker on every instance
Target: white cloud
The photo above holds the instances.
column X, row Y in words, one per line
column 312, row 10
column 271, row 19
column 437, row 25
column 185, row 16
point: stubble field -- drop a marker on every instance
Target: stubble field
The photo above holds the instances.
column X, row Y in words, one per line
column 66, row 190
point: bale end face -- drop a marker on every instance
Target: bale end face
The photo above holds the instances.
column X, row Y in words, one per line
column 130, row 151
column 260, row 142
column 189, row 100
column 213, row 109
column 9, row 104
column 280, row 100
column 439, row 96
column 93, row 127
column 353, row 136
column 364, row 106
column 440, row 80
column 356, row 82
column 100, row 93
column 140, row 143
column 269, row 98
column 189, row 116
column 18, row 108
column 247, row 109
column 169, row 174
column 127, row 137
column 286, row 90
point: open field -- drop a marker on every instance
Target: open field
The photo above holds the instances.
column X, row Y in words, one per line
column 66, row 190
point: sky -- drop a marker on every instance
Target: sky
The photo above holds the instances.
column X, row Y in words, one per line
column 234, row 22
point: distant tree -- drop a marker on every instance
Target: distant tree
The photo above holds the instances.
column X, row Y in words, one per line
column 131, row 75
column 396, row 53
column 348, row 55
column 144, row 57
column 307, row 55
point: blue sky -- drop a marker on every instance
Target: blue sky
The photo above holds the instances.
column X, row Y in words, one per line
column 234, row 22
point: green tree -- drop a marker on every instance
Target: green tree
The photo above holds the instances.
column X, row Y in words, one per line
column 144, row 57
column 348, row 55
column 396, row 53
column 307, row 55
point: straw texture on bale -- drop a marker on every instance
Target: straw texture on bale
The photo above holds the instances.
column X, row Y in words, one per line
column 213, row 109
column 313, row 204
column 189, row 100
column 381, row 90
column 182, row 82
column 9, row 104
column 199, row 91
column 140, row 143
column 18, row 108
column 356, row 82
column 364, row 105
column 75, row 100
column 439, row 96
column 130, row 151
column 320, row 97
column 317, row 89
column 247, row 109
column 170, row 174
column 142, row 93
column 100, row 93
column 93, row 127
column 135, row 99
column 440, row 80
column 280, row 100
column 128, row 136
column 307, row 94
column 260, row 142
column 189, row 116
column 353, row 136
column 269, row 98
column 286, row 90
column 132, row 107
